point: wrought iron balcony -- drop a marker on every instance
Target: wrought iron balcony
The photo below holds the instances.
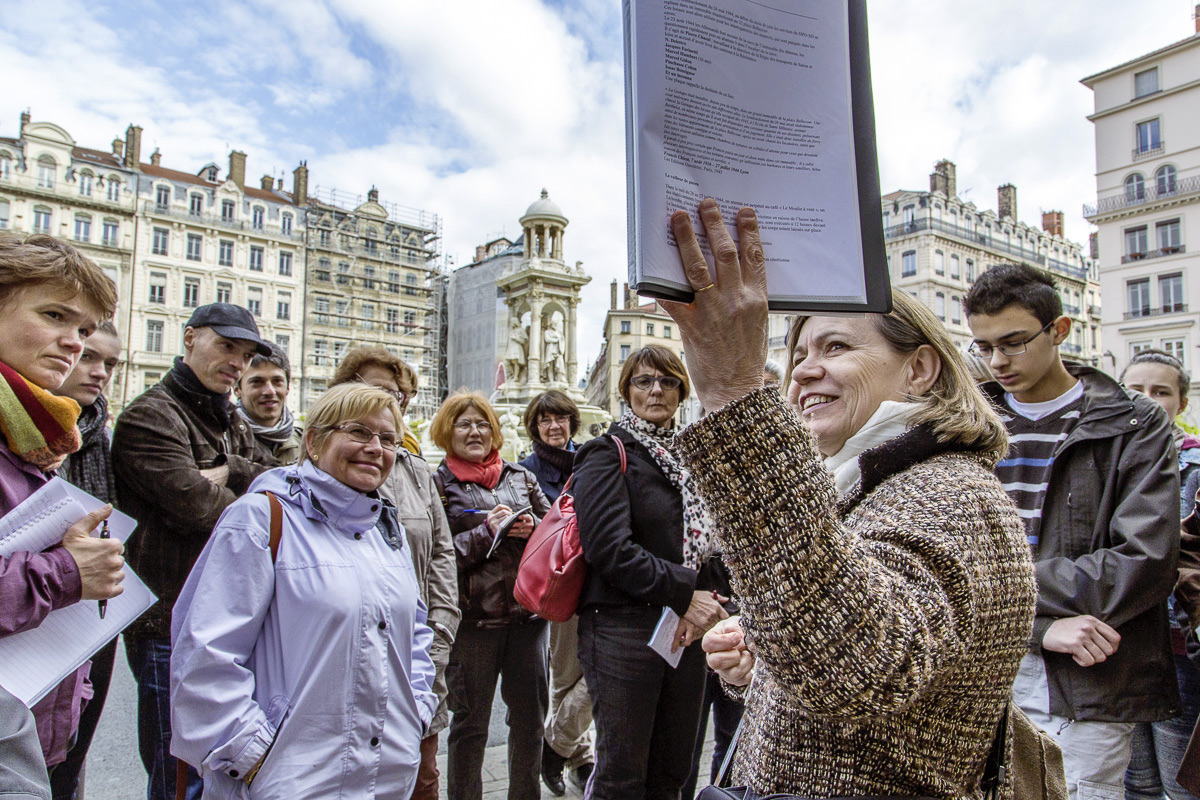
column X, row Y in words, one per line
column 1142, row 153
column 1159, row 253
column 1150, row 192
column 1156, row 311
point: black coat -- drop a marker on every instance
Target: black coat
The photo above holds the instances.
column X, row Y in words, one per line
column 631, row 529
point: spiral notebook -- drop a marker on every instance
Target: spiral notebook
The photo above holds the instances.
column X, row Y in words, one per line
column 35, row 661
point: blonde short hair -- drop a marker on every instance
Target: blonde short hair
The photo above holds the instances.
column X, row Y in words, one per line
column 345, row 403
column 954, row 406
column 441, row 430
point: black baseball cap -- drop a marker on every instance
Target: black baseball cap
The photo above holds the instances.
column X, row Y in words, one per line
column 230, row 321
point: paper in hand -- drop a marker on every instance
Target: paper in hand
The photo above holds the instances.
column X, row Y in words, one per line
column 507, row 524
column 664, row 636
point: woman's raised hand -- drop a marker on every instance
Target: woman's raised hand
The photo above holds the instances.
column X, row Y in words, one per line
column 724, row 329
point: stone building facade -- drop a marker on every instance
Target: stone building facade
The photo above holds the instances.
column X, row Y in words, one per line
column 938, row 244
column 1147, row 124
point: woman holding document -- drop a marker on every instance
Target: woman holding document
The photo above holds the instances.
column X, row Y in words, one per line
column 496, row 638
column 647, row 540
column 51, row 299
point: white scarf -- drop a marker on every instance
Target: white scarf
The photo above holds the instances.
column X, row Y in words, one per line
column 890, row 420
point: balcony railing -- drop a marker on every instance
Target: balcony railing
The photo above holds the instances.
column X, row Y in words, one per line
column 1159, row 253
column 217, row 221
column 1156, row 311
column 1140, row 153
column 1072, row 311
column 1071, row 347
column 1094, row 311
column 1150, row 192
column 983, row 239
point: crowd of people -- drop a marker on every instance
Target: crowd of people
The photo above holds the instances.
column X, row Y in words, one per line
column 876, row 562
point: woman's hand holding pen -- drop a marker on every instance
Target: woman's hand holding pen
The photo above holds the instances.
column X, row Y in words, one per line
column 100, row 562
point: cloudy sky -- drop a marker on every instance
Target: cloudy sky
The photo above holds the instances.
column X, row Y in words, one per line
column 468, row 108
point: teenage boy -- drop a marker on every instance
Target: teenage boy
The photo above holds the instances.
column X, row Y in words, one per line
column 1092, row 470
column 262, row 395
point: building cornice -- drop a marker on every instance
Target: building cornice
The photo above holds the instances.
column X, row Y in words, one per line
column 1145, row 99
column 1182, row 44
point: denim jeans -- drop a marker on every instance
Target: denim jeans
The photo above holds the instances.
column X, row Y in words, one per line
column 647, row 714
column 150, row 662
column 1158, row 747
column 726, row 714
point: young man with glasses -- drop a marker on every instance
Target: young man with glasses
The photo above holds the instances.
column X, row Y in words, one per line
column 1092, row 470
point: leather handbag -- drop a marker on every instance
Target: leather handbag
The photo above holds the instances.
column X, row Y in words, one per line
column 552, row 571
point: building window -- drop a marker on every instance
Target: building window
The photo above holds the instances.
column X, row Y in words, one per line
column 970, row 270
column 1139, row 298
column 41, row 220
column 45, row 173
column 939, row 306
column 343, row 277
column 323, row 238
column 391, row 320
column 4, row 212
column 955, row 267
column 320, row 351
column 285, row 223
column 191, row 292
column 284, row 343
column 910, row 214
column 666, row 331
column 1136, row 242
column 341, row 309
column 154, row 335
column 368, row 277
column 410, row 321
column 321, row 309
column 339, row 350
column 160, row 241
column 162, row 197
column 283, row 306
column 254, row 298
column 83, row 228
column 368, row 316
column 1174, row 347
column 1135, row 187
column 256, row 218
column 114, row 189
column 1168, row 236
column 151, row 378
column 225, row 253
column 1137, row 347
column 626, row 326
column 195, row 247
column 955, row 310
column 224, row 292
column 85, row 184
column 649, row 328
column 5, row 166
column 624, row 354
column 1145, row 82
column 1148, row 136
column 371, row 245
column 195, row 205
column 1164, row 180
column 285, row 264
column 1170, row 288
column 411, row 287
column 111, row 231
column 158, row 288
column 226, row 211
column 939, row 262
column 256, row 259
column 908, row 264
column 1095, row 337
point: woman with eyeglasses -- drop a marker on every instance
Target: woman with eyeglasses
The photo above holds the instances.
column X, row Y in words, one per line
column 497, row 639
column 305, row 672
column 410, row 488
column 647, row 539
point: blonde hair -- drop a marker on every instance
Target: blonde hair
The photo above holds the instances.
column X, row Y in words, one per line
column 441, row 430
column 344, row 403
column 44, row 259
column 954, row 406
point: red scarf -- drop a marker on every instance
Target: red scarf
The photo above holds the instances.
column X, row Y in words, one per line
column 485, row 473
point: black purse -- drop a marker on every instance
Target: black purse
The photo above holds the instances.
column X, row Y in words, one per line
column 993, row 774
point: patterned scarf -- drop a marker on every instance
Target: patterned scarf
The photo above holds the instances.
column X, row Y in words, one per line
column 274, row 435
column 39, row 427
column 90, row 467
column 697, row 525
column 486, row 473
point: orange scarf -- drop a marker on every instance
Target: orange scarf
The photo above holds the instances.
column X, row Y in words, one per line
column 485, row 473
column 39, row 427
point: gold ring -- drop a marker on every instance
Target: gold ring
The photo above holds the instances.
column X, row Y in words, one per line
column 705, row 288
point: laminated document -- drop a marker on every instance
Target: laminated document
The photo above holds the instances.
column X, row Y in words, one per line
column 761, row 103
column 35, row 661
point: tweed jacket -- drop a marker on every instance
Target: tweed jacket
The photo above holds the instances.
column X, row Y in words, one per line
column 888, row 624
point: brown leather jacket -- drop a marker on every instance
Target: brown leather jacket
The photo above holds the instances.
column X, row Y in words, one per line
column 485, row 585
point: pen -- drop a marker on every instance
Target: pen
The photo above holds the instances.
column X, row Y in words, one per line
column 103, row 535
column 473, row 511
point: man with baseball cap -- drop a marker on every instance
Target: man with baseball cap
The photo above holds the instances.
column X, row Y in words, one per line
column 181, row 454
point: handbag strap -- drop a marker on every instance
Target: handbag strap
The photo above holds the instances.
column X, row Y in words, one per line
column 723, row 776
column 620, row 451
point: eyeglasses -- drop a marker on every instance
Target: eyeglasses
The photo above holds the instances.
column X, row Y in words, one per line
column 363, row 435
column 465, row 426
column 1012, row 349
column 646, row 382
column 400, row 396
column 548, row 420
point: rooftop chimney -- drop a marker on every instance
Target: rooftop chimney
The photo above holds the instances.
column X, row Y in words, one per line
column 944, row 178
column 118, row 148
column 1052, row 222
column 1094, row 245
column 133, row 147
column 300, row 184
column 237, row 168
column 613, row 302
column 480, row 252
column 24, row 122
column 267, row 182
column 1196, row 16
column 1007, row 201
column 155, row 158
column 373, row 195
column 627, row 296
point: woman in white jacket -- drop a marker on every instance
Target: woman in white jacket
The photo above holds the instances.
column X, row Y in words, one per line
column 309, row 677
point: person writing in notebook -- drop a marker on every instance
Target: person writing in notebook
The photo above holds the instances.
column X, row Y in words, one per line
column 51, row 299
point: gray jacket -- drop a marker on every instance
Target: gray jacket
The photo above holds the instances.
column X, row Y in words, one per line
column 22, row 768
column 411, row 489
column 1110, row 548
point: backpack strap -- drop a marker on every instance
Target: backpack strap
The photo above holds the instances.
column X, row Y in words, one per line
column 276, row 524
